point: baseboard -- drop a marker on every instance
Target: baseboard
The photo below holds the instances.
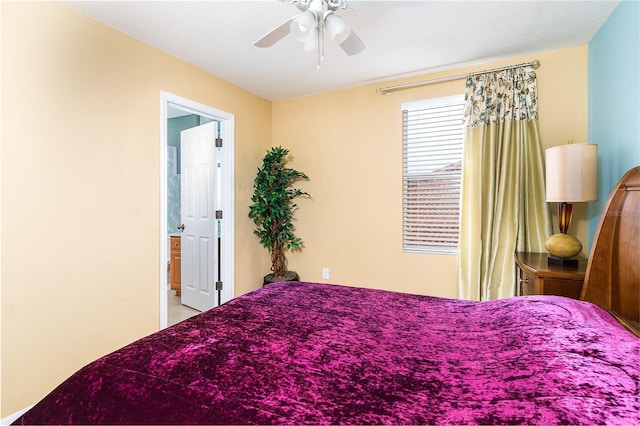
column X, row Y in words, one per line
column 13, row 417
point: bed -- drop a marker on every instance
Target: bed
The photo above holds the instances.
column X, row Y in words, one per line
column 309, row 353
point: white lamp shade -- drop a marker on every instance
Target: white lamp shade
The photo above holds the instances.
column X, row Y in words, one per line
column 572, row 173
column 337, row 30
column 304, row 26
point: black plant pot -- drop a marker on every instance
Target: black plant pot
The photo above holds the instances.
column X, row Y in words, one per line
column 288, row 276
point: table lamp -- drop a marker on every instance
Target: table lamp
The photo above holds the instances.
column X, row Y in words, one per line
column 572, row 177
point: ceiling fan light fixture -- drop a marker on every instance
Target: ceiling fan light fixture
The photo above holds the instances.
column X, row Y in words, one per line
column 316, row 20
column 303, row 27
column 337, row 30
column 311, row 45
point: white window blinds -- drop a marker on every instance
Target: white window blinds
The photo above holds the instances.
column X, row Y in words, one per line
column 433, row 139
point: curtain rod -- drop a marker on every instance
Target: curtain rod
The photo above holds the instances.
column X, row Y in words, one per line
column 535, row 64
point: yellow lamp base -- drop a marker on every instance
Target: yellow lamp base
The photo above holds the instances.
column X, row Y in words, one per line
column 563, row 246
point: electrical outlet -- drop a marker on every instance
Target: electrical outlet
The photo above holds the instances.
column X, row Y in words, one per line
column 325, row 273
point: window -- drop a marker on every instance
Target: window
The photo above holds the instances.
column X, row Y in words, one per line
column 433, row 139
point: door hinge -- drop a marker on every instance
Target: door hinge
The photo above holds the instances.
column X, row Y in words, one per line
column 218, row 285
column 218, row 214
column 218, row 142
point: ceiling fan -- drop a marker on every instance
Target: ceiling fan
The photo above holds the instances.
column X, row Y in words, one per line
column 310, row 27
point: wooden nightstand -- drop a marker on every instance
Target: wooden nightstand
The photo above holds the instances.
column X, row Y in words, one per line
column 538, row 277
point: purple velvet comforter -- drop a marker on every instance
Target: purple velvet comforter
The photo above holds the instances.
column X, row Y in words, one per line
column 302, row 353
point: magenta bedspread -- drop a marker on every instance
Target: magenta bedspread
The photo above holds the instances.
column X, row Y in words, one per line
column 305, row 353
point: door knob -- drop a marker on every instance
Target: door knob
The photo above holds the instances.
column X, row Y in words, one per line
column 180, row 227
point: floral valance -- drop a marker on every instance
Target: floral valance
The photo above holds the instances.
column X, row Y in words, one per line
column 510, row 94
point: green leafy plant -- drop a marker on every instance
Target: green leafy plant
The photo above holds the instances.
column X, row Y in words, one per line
column 273, row 207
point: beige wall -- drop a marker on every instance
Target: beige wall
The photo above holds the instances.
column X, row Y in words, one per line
column 350, row 144
column 81, row 187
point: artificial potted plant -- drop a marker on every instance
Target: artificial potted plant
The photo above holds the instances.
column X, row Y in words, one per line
column 272, row 211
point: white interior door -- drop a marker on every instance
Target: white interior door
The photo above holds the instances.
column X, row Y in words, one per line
column 200, row 195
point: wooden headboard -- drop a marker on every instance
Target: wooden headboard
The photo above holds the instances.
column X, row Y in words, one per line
column 612, row 280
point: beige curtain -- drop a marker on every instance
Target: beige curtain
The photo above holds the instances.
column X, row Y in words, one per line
column 503, row 208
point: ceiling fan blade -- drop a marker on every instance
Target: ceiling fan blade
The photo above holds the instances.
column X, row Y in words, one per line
column 381, row 4
column 275, row 35
column 352, row 45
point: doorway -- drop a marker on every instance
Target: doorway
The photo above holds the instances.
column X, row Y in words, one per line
column 175, row 106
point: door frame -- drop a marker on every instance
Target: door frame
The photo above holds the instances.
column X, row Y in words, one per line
column 227, row 133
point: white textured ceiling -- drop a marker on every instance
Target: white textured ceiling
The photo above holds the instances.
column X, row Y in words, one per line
column 403, row 38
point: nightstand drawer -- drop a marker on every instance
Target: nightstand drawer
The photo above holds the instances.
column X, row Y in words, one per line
column 567, row 288
column 529, row 285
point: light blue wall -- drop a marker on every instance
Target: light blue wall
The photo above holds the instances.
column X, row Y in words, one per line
column 614, row 101
column 174, row 127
